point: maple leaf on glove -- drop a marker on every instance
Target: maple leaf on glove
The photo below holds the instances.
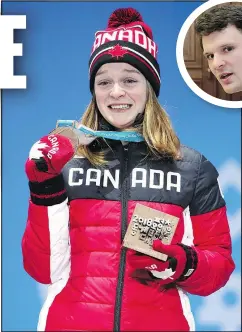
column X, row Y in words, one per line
column 181, row 263
column 47, row 158
column 141, row 266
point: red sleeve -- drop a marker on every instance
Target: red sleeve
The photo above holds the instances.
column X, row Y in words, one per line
column 36, row 244
column 45, row 243
column 212, row 240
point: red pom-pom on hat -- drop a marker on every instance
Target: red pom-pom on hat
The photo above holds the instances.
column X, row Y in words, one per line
column 127, row 16
column 124, row 16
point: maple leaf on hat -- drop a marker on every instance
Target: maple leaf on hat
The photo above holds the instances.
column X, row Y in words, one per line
column 117, row 51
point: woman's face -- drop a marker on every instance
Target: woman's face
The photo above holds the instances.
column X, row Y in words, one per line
column 121, row 93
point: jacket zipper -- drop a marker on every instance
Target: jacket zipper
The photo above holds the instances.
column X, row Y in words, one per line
column 119, row 292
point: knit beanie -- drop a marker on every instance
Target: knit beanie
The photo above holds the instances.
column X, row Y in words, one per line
column 126, row 39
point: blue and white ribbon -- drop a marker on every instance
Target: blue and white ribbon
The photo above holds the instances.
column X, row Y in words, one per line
column 127, row 136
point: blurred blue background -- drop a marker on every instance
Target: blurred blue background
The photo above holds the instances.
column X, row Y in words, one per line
column 56, row 48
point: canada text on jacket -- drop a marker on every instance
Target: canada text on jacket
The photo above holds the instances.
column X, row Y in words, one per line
column 152, row 178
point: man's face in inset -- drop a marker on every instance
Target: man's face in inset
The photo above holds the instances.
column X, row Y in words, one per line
column 223, row 50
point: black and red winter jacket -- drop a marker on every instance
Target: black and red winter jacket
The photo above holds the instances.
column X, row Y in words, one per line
column 75, row 244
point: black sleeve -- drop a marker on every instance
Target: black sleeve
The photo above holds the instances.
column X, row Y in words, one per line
column 207, row 194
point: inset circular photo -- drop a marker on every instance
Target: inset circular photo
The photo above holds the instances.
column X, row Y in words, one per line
column 209, row 52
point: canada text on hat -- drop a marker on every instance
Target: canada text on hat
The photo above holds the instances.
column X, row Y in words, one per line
column 133, row 34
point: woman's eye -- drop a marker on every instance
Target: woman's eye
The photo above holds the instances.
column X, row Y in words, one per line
column 103, row 83
column 130, row 81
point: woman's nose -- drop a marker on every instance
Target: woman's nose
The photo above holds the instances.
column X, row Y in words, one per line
column 117, row 91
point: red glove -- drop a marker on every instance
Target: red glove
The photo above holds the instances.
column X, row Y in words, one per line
column 46, row 159
column 181, row 263
column 142, row 265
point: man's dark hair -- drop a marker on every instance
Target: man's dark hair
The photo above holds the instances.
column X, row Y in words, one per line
column 218, row 18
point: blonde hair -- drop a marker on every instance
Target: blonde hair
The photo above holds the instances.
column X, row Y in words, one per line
column 156, row 129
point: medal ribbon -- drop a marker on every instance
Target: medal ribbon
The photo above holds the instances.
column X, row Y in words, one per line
column 127, row 136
